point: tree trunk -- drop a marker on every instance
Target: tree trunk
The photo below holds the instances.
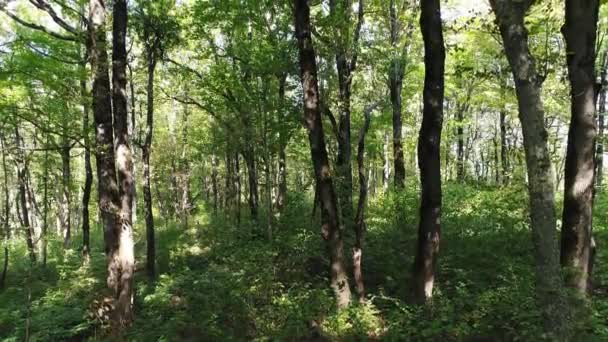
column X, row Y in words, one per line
column 429, row 143
column 23, row 201
column 599, row 152
column 580, row 34
column 249, row 156
column 88, row 172
column 549, row 283
column 282, row 193
column 146, row 150
column 360, row 216
column 109, row 200
column 123, row 259
column 6, row 214
column 386, row 167
column 396, row 72
column 46, row 207
column 66, row 224
column 503, row 148
column 345, row 66
column 460, row 148
column 312, row 115
column 214, row 182
column 237, row 175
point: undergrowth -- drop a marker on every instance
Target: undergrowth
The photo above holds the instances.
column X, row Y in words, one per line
column 219, row 281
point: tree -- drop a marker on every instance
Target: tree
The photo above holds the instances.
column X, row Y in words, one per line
column 158, row 32
column 510, row 20
column 429, row 142
column 346, row 64
column 109, row 200
column 122, row 262
column 395, row 77
column 312, row 117
column 580, row 34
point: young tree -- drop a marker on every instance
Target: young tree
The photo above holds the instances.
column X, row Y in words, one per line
column 346, row 64
column 549, row 283
column 312, row 117
column 157, row 31
column 429, row 142
column 395, row 78
column 580, row 34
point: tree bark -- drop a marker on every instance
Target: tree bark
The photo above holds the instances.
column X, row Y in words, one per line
column 346, row 62
column 45, row 199
column 214, row 189
column 123, row 259
column 6, row 214
column 237, row 180
column 65, row 195
column 549, row 283
column 504, row 148
column 460, row 170
column 599, row 151
column 146, row 151
column 386, row 167
column 252, row 177
column 23, row 202
column 429, row 143
column 109, row 200
column 88, row 172
column 579, row 32
column 360, row 216
column 312, row 117
column 396, row 73
column 282, row 193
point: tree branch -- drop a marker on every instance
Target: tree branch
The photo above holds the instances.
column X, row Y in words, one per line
column 45, row 6
column 357, row 37
column 38, row 27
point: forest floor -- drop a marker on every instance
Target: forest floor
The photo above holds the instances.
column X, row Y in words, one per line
column 221, row 282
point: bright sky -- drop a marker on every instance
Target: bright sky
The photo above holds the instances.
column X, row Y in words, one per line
column 456, row 8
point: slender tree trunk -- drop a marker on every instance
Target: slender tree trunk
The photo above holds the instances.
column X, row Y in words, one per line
column 599, row 152
column 396, row 73
column 88, row 173
column 460, row 147
column 345, row 67
column 580, row 34
column 214, row 189
column 25, row 206
column 360, row 216
column 282, row 193
column 429, row 143
column 267, row 178
column 237, row 175
column 252, row 177
column 131, row 131
column 65, row 195
column 312, row 115
column 549, row 283
column 46, row 207
column 6, row 214
column 146, row 150
column 386, row 168
column 503, row 148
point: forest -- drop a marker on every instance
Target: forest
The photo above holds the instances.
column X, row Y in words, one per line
column 303, row 170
